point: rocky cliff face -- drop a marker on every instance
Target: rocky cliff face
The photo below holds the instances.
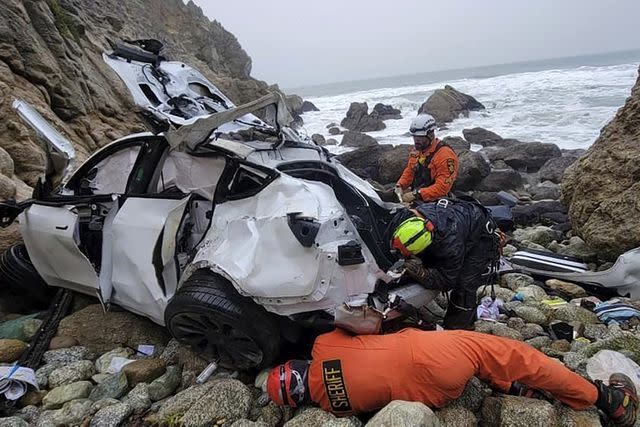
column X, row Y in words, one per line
column 51, row 56
column 602, row 189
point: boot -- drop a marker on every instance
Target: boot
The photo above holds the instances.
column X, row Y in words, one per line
column 618, row 400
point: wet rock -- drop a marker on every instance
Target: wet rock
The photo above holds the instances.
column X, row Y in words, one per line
column 334, row 131
column 65, row 356
column 59, row 342
column 331, row 141
column 445, row 105
column 585, row 418
column 358, row 119
column 30, row 327
column 514, row 281
column 364, row 161
column 456, row 417
column 101, row 332
column 144, row 370
column 472, row 169
column 545, row 191
column 399, row 412
column 481, row 136
column 579, row 249
column 539, row 342
column 13, row 422
column 166, row 384
column 113, row 387
column 542, row 212
column 103, row 362
column 11, row 350
column 318, row 139
column 392, row 163
column 531, row 315
column 570, row 313
column 111, row 416
column 473, row 395
column 501, row 180
column 518, row 411
column 596, row 331
column 66, row 393
column 357, row 140
column 71, row 373
column 385, row 112
column 227, row 399
column 541, row 235
column 138, row 398
column 532, row 292
column 308, row 106
column 459, row 145
column 526, row 156
column 567, row 289
column 553, row 169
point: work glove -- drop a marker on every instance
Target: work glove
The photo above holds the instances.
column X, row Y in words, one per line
column 408, row 197
column 416, row 270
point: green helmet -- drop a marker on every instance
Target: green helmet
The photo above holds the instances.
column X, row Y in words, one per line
column 412, row 236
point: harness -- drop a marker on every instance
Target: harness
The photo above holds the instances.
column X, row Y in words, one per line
column 421, row 172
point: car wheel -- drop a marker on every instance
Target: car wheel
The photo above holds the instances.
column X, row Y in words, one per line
column 21, row 287
column 210, row 316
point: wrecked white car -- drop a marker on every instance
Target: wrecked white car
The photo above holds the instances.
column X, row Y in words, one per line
column 234, row 233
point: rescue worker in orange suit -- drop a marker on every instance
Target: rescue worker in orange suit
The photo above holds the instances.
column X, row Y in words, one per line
column 447, row 245
column 432, row 167
column 360, row 374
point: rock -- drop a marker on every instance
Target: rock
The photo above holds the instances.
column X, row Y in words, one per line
column 472, row 169
column 515, row 411
column 541, row 235
column 318, row 139
column 308, row 106
column 570, row 313
column 11, row 350
column 624, row 342
column 71, row 373
column 553, row 169
column 526, row 156
column 30, row 327
column 481, row 136
column 357, row 140
column 596, row 331
column 71, row 413
column 514, row 281
column 32, row 398
column 175, row 406
column 138, row 398
column 334, row 131
column 358, row 119
column 500, row 180
column 29, row 413
column 401, row 413
column 13, row 422
column 42, row 374
column 531, row 315
column 542, row 212
column 12, row 326
column 385, row 112
column 103, row 362
column 539, row 342
column 249, row 423
column 66, row 393
column 445, row 105
column 456, row 417
column 546, row 191
column 475, row 391
column 567, row 289
column 310, row 417
column 602, row 188
column 98, row 378
column 532, row 293
column 458, row 144
column 113, row 387
column 584, row 418
column 560, row 346
column 59, row 342
column 392, row 162
column 502, row 293
column 509, row 250
column 228, row 400
column 166, row 384
column 579, row 249
column 497, row 329
column 331, row 141
column 178, row 354
column 144, row 370
column 65, row 356
column 103, row 403
column 101, row 332
column 364, row 161
column 111, row 416
column 531, row 330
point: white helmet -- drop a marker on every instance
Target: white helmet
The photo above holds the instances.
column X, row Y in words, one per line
column 422, row 124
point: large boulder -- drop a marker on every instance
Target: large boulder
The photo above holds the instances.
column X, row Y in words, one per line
column 526, row 156
column 543, row 212
column 553, row 170
column 364, row 161
column 357, row 140
column 391, row 163
column 385, row 112
column 308, row 106
column 358, row 119
column 457, row 143
column 481, row 136
column 602, row 189
column 501, row 180
column 472, row 169
column 516, row 411
column 445, row 105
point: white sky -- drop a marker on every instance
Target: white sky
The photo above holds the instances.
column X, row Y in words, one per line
column 296, row 43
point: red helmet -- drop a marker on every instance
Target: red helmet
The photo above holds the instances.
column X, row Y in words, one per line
column 287, row 383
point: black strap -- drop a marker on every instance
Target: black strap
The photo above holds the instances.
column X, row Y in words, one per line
column 420, row 178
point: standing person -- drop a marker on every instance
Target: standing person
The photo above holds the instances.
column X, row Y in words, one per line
column 432, row 167
column 359, row 374
column 448, row 246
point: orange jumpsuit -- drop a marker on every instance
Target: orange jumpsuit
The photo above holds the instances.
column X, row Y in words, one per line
column 441, row 172
column 355, row 374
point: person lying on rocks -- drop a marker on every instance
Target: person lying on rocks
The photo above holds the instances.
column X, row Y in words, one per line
column 360, row 374
column 448, row 245
column 432, row 168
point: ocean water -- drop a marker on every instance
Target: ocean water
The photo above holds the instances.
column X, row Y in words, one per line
column 561, row 101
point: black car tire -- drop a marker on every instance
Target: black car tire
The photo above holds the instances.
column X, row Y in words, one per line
column 210, row 316
column 21, row 287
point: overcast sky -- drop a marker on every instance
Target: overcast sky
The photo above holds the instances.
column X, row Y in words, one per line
column 297, row 42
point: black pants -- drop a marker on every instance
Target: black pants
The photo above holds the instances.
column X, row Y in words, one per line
column 463, row 301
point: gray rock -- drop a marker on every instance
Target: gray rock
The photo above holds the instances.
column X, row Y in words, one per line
column 138, row 398
column 514, row 281
column 545, row 191
column 530, row 245
column 310, row 417
column 539, row 342
column 473, row 395
column 358, row 119
column 66, row 393
column 531, row 330
column 472, row 169
column 516, row 411
column 502, row 293
column 526, row 156
column 532, row 293
column 103, row 403
column 331, row 141
column 357, row 140
column 553, row 169
column 111, row 416
column 248, row 423
column 29, row 413
column 596, row 331
column 515, row 323
column 501, row 180
column 64, row 356
column 227, row 399
column 456, row 417
column 481, row 136
column 103, row 362
column 318, row 139
column 541, row 235
column 71, row 413
column 30, row 327
column 114, row 387
column 71, row 373
column 584, row 418
column 509, row 250
column 624, row 342
column 401, row 413
column 334, row 131
column 13, row 422
column 531, row 315
column 98, row 378
column 308, row 106
column 42, row 374
column 570, row 313
column 166, row 384
column 579, row 249
column 445, row 105
column 459, row 145
column 497, row 329
column 175, row 406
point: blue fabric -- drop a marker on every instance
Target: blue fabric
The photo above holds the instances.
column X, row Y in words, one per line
column 614, row 310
